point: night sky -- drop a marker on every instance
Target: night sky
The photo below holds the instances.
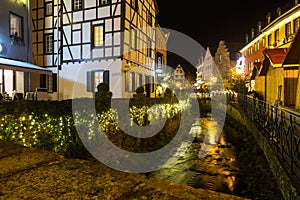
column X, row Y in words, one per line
column 214, row 20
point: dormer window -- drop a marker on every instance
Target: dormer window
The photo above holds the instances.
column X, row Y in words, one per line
column 268, row 18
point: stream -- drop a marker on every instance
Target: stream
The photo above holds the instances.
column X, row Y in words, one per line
column 210, row 165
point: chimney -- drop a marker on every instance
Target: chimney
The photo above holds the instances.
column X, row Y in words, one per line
column 268, row 17
column 259, row 26
column 278, row 11
column 252, row 33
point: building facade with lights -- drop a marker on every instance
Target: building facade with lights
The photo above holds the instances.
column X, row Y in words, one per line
column 267, row 58
column 86, row 42
column 223, row 61
column 207, row 71
column 17, row 73
column 277, row 31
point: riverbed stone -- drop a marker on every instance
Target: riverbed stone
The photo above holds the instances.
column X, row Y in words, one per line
column 27, row 173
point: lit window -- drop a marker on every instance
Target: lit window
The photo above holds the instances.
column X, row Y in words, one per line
column 133, row 38
column 288, row 29
column 98, row 35
column 296, row 24
column 48, row 43
column 276, row 36
column 264, row 42
column 105, row 2
column 77, row 4
column 16, row 26
column 270, row 40
column 48, row 8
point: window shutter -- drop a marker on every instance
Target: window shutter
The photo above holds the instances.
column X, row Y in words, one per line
column 90, row 81
column 54, row 82
column 106, row 77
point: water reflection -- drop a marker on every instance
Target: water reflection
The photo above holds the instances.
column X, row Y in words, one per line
column 208, row 162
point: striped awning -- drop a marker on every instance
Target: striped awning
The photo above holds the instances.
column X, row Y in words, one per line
column 6, row 63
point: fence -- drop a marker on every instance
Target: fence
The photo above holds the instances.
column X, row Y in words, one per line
column 281, row 127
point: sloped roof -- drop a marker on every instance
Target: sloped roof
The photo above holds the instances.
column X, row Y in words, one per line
column 293, row 53
column 276, row 56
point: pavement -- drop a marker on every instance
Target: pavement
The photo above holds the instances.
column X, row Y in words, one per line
column 28, row 173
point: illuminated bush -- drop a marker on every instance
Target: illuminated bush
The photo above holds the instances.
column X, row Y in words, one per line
column 56, row 131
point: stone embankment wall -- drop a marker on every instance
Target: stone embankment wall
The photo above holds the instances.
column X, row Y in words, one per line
column 285, row 183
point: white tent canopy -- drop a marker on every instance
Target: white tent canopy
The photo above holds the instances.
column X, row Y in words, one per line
column 22, row 66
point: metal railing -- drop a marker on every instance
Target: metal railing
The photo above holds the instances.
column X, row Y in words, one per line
column 281, row 127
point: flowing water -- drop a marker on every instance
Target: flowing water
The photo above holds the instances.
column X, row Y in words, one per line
column 208, row 162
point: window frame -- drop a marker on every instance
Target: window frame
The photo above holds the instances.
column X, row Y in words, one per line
column 20, row 34
column 91, row 81
column 269, row 39
column 133, row 38
column 47, row 45
column 296, row 21
column 288, row 26
column 134, row 4
column 276, row 37
column 46, row 8
column 94, row 36
column 102, row 3
column 149, row 18
column 263, row 42
column 76, row 7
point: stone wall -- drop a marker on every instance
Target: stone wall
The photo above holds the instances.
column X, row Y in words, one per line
column 283, row 180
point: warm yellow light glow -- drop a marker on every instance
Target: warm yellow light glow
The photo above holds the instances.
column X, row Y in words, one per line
column 21, row 2
column 98, row 35
column 269, row 29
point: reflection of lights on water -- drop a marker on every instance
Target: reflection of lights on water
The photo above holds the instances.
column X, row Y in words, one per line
column 222, row 140
column 212, row 136
column 231, row 181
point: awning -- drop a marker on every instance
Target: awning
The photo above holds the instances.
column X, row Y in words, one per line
column 276, row 56
column 22, row 66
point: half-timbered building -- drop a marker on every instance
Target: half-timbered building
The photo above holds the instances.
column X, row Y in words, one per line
column 86, row 42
